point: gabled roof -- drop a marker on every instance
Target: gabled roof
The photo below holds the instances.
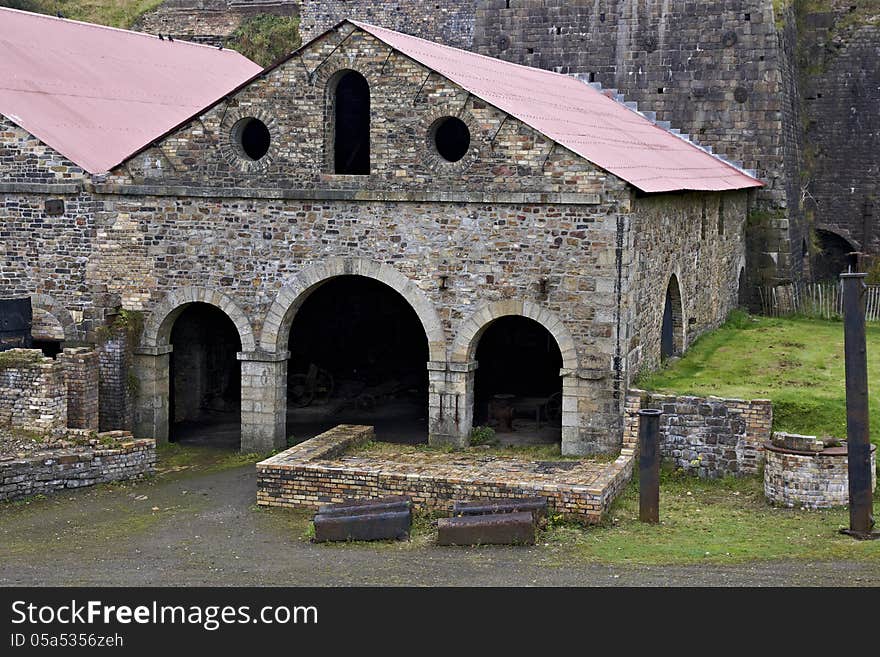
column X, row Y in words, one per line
column 578, row 117
column 97, row 94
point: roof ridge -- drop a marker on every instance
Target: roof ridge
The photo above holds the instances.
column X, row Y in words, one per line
column 146, row 35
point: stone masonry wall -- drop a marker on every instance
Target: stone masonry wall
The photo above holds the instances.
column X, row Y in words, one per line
column 711, row 437
column 818, row 480
column 115, row 398
column 33, row 395
column 65, row 469
column 81, row 378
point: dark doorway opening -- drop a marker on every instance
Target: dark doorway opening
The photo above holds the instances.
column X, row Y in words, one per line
column 517, row 387
column 833, row 258
column 671, row 329
column 50, row 348
column 359, row 355
column 205, row 390
column 351, row 136
column 743, row 290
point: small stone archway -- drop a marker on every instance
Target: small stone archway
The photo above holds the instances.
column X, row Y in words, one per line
column 279, row 319
column 45, row 303
column 462, row 367
column 157, row 327
column 152, row 361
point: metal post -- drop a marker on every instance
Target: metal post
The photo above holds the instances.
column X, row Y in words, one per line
column 861, row 518
column 649, row 465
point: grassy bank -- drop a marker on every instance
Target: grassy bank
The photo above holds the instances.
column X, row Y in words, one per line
column 797, row 363
column 115, row 13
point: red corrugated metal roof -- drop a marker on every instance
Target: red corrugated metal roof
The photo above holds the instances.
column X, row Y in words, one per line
column 578, row 117
column 98, row 94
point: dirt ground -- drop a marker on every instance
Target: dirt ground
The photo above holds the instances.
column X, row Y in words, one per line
column 202, row 528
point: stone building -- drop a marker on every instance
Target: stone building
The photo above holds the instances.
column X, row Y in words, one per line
column 398, row 214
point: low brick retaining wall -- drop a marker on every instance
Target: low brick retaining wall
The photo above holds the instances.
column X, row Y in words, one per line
column 313, row 473
column 708, row 436
column 58, row 469
column 809, row 479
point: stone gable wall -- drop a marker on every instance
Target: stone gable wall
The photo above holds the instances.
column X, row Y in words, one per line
column 25, row 159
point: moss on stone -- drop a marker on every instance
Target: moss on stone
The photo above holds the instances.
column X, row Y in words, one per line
column 19, row 358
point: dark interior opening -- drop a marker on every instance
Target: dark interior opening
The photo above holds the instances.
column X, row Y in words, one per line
column 254, row 139
column 358, row 356
column 452, row 138
column 743, row 290
column 352, row 127
column 50, row 348
column 671, row 321
column 517, row 387
column 205, row 390
column 833, row 257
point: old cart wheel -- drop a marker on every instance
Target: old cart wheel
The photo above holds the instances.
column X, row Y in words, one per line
column 300, row 392
column 553, row 407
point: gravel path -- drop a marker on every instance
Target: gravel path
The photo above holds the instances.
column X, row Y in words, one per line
column 202, row 529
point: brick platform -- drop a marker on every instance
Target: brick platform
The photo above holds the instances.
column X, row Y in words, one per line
column 324, row 469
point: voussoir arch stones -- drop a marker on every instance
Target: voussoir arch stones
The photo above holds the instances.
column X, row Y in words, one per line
column 464, row 346
column 157, row 327
column 59, row 312
column 276, row 328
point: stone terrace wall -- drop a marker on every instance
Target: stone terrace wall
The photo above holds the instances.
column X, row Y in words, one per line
column 81, row 378
column 711, row 437
column 61, row 469
column 33, row 394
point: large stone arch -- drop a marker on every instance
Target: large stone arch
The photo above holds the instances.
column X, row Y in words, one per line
column 46, row 303
column 279, row 319
column 157, row 328
column 465, row 344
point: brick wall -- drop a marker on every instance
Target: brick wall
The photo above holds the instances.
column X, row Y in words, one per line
column 81, row 378
column 33, row 395
column 709, row 436
column 297, row 478
column 65, row 469
column 115, row 394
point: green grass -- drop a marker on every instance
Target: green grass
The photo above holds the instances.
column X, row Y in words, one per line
column 115, row 13
column 708, row 521
column 796, row 363
column 527, row 452
column 173, row 458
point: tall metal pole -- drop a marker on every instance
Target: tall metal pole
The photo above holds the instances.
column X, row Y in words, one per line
column 857, row 429
column 649, row 465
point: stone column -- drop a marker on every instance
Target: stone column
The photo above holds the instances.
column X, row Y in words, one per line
column 152, row 367
column 450, row 402
column 263, row 401
column 82, row 381
column 591, row 416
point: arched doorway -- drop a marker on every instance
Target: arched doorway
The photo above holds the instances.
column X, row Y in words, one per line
column 833, row 257
column 359, row 355
column 351, row 124
column 205, row 378
column 517, row 387
column 671, row 331
column 742, row 295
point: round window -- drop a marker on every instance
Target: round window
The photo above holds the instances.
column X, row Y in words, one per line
column 451, row 137
column 251, row 138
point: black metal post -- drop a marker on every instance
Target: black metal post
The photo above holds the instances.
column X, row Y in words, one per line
column 649, row 465
column 857, row 429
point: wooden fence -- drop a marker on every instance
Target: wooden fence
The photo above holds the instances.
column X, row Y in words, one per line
column 823, row 300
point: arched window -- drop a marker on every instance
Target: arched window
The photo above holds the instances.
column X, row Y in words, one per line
column 671, row 332
column 351, row 125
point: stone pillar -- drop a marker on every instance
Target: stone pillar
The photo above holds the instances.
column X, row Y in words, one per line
column 591, row 416
column 450, row 402
column 82, row 381
column 263, row 401
column 152, row 367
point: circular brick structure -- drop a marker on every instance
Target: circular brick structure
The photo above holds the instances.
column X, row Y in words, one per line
column 810, row 479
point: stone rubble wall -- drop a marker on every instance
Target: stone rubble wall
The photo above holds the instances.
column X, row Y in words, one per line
column 708, row 436
column 818, row 480
column 33, row 394
column 296, row 478
column 81, row 378
column 65, row 469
